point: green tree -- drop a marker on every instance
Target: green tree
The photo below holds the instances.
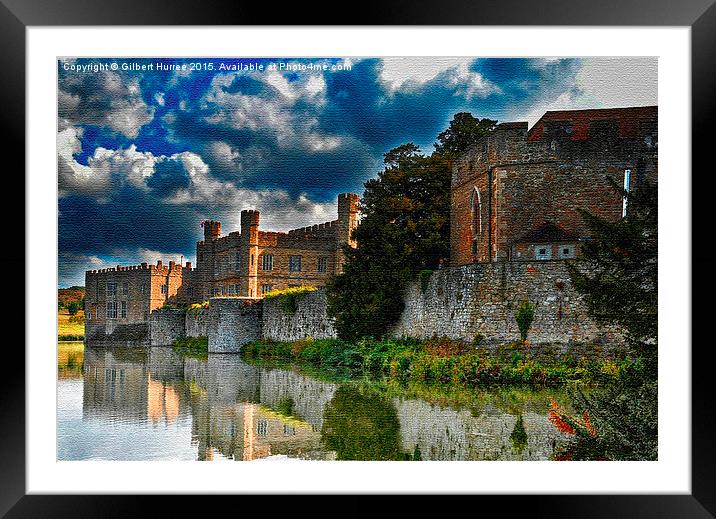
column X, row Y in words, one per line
column 73, row 307
column 618, row 272
column 462, row 133
column 617, row 275
column 524, row 316
column 405, row 228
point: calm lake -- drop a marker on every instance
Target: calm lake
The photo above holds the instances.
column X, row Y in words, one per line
column 155, row 404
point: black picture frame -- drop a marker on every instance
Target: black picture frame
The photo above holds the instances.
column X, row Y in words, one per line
column 699, row 15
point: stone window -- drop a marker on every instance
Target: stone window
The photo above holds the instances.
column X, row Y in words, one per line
column 111, row 289
column 566, row 251
column 216, row 291
column 322, row 262
column 289, row 430
column 475, row 218
column 111, row 309
column 265, row 289
column 262, row 427
column 294, row 263
column 123, row 310
column 543, row 252
column 125, row 288
column 627, row 181
column 165, row 289
column 267, row 262
column 232, row 290
column 252, row 260
column 237, row 262
column 143, row 288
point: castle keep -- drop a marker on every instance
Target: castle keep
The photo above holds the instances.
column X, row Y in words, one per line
column 248, row 263
column 516, row 194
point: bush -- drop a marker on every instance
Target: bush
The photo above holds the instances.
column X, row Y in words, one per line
column 524, row 317
column 424, row 279
column 289, row 297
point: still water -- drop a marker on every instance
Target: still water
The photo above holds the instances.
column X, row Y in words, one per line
column 155, row 404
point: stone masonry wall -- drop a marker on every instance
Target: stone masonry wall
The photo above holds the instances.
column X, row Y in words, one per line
column 165, row 326
column 310, row 319
column 233, row 322
column 482, row 299
column 196, row 322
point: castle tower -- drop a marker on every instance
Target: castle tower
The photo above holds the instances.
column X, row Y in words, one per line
column 205, row 258
column 347, row 222
column 250, row 251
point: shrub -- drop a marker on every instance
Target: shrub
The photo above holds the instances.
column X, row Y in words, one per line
column 424, row 279
column 524, row 316
column 289, row 297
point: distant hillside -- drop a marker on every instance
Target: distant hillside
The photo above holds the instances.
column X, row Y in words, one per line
column 68, row 295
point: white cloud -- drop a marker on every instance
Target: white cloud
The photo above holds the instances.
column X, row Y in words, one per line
column 103, row 99
column 159, row 98
column 410, row 73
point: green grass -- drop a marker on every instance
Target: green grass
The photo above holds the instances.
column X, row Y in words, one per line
column 192, row 346
column 444, row 361
column 70, row 328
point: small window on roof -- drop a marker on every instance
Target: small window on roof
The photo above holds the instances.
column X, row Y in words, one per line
column 543, row 252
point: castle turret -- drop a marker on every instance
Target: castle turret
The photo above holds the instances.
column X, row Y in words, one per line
column 250, row 249
column 212, row 230
column 347, row 222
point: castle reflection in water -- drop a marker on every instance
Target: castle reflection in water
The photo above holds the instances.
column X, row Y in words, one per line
column 244, row 412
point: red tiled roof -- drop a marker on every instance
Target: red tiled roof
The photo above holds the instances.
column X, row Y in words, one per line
column 628, row 119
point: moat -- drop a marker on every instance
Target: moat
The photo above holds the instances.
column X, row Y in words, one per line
column 155, row 404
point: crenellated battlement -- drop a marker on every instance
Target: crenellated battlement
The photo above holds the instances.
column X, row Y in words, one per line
column 314, row 229
column 160, row 267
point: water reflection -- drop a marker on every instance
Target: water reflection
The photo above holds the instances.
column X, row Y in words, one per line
column 157, row 404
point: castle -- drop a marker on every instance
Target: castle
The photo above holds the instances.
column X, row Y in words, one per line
column 516, row 194
column 515, row 201
column 248, row 263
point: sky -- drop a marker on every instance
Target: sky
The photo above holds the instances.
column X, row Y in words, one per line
column 148, row 148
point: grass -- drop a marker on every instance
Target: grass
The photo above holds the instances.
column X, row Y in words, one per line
column 70, row 328
column 445, row 361
column 192, row 347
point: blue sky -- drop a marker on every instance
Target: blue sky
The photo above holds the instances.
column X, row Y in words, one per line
column 145, row 155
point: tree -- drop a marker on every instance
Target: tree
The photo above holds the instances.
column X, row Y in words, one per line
column 617, row 276
column 618, row 272
column 73, row 307
column 524, row 316
column 463, row 131
column 405, row 229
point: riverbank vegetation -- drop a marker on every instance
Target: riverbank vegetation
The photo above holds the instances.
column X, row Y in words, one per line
column 447, row 361
column 619, row 421
column 192, row 346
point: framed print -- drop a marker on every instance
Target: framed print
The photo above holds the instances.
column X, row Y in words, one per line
column 300, row 259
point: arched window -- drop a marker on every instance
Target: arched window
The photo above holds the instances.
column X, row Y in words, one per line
column 475, row 218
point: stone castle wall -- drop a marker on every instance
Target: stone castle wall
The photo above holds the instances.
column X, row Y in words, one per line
column 197, row 321
column 233, row 322
column 165, row 326
column 468, row 302
column 481, row 299
column 309, row 320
